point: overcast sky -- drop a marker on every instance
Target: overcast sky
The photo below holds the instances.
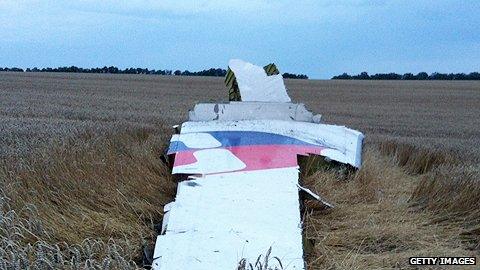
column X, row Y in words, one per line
column 318, row 38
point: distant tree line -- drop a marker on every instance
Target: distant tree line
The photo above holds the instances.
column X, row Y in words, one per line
column 74, row 69
column 215, row 72
column 294, row 76
column 14, row 69
column 409, row 76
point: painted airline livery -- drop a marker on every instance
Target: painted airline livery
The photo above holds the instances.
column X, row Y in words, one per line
column 240, row 193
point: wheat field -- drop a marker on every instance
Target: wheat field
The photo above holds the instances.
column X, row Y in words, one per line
column 83, row 184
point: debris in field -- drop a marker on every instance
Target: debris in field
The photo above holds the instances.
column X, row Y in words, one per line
column 242, row 192
column 232, row 85
column 255, row 84
column 315, row 196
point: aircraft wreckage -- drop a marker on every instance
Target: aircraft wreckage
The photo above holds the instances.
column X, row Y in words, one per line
column 240, row 191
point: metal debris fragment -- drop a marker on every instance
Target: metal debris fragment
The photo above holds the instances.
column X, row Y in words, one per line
column 242, row 194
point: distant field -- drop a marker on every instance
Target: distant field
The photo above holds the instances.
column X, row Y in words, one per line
column 82, row 181
column 38, row 106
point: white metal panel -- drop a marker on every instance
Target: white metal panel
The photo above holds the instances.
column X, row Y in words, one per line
column 255, row 85
column 211, row 161
column 344, row 144
column 242, row 194
column 218, row 219
column 197, row 140
column 250, row 111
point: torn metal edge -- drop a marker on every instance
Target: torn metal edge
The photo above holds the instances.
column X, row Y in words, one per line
column 315, row 196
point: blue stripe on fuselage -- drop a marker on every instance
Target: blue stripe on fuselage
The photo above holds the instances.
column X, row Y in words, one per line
column 241, row 138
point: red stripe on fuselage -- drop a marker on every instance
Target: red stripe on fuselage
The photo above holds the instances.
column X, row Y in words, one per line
column 258, row 157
